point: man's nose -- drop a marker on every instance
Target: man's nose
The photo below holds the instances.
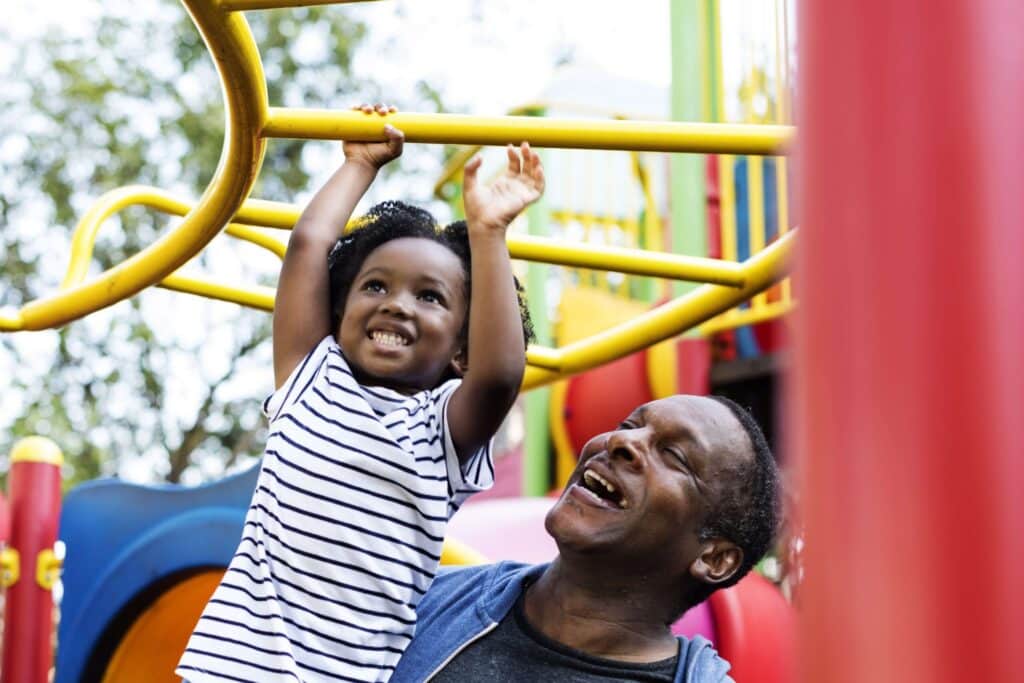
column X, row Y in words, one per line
column 626, row 446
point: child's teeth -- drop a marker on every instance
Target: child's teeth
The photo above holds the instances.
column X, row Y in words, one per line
column 388, row 338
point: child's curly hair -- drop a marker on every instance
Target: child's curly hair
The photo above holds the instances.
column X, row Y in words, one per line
column 393, row 220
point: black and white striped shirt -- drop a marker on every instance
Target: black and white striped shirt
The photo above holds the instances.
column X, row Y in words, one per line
column 343, row 535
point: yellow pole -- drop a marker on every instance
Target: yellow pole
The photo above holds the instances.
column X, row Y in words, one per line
column 652, row 136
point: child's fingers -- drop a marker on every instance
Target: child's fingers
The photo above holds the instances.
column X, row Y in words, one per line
column 384, row 109
column 515, row 164
column 469, row 175
column 530, row 159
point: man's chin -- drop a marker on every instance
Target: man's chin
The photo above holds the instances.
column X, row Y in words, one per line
column 580, row 528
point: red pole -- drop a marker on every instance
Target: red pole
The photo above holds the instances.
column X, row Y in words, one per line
column 34, row 491
column 908, row 395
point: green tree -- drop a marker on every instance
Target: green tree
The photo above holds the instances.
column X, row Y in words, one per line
column 161, row 382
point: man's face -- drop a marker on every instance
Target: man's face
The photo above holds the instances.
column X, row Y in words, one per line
column 640, row 494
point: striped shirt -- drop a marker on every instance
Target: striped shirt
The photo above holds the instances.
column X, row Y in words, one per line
column 343, row 535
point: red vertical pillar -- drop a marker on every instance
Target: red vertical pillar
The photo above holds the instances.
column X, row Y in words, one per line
column 34, row 491
column 909, row 395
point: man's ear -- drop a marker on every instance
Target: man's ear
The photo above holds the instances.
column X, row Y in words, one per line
column 717, row 562
column 460, row 363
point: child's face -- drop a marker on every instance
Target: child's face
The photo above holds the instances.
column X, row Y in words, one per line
column 404, row 315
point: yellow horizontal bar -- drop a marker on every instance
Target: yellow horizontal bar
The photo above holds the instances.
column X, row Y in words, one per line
column 666, row 321
column 257, row 296
column 653, row 136
column 747, row 316
column 625, row 260
column 240, row 5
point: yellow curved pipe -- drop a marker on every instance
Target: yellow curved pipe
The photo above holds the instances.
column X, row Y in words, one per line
column 236, row 57
column 640, row 136
column 253, row 212
column 668, row 320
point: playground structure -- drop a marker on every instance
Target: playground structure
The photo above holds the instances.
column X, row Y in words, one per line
column 874, row 495
column 131, row 594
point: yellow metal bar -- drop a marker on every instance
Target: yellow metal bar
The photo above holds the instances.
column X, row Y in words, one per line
column 782, row 107
column 260, row 239
column 240, row 5
column 727, row 206
column 652, row 229
column 748, row 316
column 452, row 170
column 256, row 296
column 666, row 321
column 755, row 213
column 454, row 552
column 653, row 136
column 623, row 260
column 256, row 212
column 236, row 57
column 566, row 216
column 631, row 227
column 543, row 357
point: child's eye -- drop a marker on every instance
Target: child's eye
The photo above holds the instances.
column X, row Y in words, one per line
column 431, row 296
column 373, row 286
column 627, row 425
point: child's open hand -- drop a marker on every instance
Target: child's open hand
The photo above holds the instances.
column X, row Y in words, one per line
column 494, row 206
column 376, row 154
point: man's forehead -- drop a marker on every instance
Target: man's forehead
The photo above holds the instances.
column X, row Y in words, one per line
column 704, row 419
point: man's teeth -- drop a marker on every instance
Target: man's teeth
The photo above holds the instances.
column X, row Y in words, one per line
column 595, row 479
column 388, row 338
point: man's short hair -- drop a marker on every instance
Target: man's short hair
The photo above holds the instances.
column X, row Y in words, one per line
column 748, row 509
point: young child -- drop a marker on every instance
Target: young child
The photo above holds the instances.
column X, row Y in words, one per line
column 391, row 380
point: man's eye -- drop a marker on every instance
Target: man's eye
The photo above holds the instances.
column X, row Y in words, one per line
column 678, row 457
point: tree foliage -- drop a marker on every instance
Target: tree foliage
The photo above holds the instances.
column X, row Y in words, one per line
column 160, row 383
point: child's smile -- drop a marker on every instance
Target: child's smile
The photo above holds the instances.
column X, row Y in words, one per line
column 403, row 319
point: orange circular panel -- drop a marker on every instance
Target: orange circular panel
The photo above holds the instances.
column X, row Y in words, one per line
column 154, row 642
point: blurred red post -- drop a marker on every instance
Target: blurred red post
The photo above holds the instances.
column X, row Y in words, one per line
column 908, row 395
column 34, row 492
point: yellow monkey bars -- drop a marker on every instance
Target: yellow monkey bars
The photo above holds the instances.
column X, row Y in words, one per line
column 250, row 120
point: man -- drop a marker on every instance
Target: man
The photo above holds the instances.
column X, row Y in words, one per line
column 679, row 501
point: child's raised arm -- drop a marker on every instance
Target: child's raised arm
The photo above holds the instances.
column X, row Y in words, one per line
column 302, row 315
column 496, row 358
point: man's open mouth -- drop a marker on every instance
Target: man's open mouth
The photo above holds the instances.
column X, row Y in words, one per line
column 386, row 338
column 603, row 489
